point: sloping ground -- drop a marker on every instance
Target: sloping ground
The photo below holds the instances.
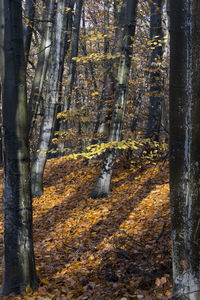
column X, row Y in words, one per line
column 112, row 248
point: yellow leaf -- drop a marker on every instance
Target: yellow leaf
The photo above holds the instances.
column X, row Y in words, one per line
column 44, row 281
column 28, row 289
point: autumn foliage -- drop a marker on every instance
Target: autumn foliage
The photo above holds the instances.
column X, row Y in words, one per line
column 113, row 248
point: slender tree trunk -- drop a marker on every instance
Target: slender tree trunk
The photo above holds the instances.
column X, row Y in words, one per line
column 102, row 126
column 47, row 125
column 84, row 48
column 116, row 8
column 18, row 255
column 72, row 66
column 184, row 147
column 41, row 69
column 110, row 82
column 29, row 15
column 128, row 23
column 67, row 36
column 74, row 53
column 156, row 83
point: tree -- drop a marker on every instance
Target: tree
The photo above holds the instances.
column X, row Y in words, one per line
column 29, row 24
column 47, row 126
column 184, row 146
column 18, row 255
column 127, row 20
column 101, row 126
column 156, row 36
column 42, row 65
column 72, row 64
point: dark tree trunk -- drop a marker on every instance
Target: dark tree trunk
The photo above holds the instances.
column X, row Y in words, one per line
column 156, row 84
column 1, row 150
column 29, row 15
column 184, row 147
column 18, row 255
column 84, row 48
column 74, row 53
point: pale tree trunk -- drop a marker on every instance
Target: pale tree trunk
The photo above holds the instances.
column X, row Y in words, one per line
column 184, row 147
column 67, row 36
column 110, row 73
column 109, row 88
column 47, row 125
column 156, row 82
column 18, row 255
column 41, row 69
column 72, row 66
column 102, row 126
column 128, row 23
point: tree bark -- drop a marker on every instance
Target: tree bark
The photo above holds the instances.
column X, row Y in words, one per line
column 74, row 53
column 67, row 36
column 128, row 23
column 47, row 125
column 156, row 87
column 28, row 27
column 18, row 254
column 184, row 146
column 102, row 126
column 72, row 66
column 41, row 69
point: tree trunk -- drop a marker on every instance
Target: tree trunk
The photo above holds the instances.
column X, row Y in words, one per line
column 110, row 82
column 102, row 126
column 18, row 255
column 54, row 151
column 156, row 88
column 29, row 15
column 72, row 66
column 128, row 21
column 84, row 48
column 41, row 69
column 74, row 53
column 184, row 147
column 47, row 125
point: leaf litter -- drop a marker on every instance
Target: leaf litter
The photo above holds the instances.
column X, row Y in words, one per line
column 118, row 247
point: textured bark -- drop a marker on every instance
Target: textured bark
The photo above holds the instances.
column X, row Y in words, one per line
column 128, row 23
column 29, row 24
column 156, row 86
column 41, row 69
column 101, row 126
column 72, row 65
column 74, row 53
column 184, row 146
column 110, row 79
column 67, row 36
column 84, row 48
column 47, row 125
column 18, row 254
column 116, row 8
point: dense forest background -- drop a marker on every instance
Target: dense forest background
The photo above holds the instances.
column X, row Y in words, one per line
column 87, row 64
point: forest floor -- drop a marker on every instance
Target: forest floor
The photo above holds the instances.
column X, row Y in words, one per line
column 117, row 247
